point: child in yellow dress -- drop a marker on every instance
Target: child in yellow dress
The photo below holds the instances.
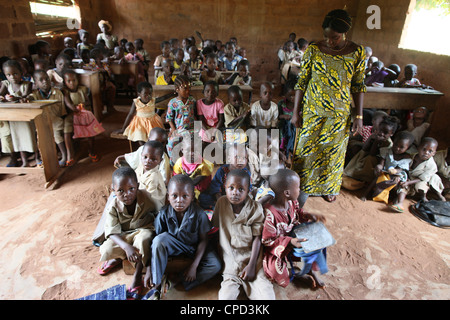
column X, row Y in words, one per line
column 142, row 116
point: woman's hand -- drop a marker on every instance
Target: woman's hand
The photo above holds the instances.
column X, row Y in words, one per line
column 357, row 127
column 295, row 120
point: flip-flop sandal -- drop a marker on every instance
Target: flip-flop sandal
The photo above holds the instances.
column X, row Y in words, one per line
column 153, row 294
column 102, row 269
column 62, row 163
column 94, row 157
column 134, row 293
column 166, row 285
column 40, row 164
column 70, row 162
column 396, row 208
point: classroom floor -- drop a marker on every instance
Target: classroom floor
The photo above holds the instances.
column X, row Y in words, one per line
column 47, row 252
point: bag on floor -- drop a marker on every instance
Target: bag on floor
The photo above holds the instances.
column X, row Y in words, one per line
column 436, row 213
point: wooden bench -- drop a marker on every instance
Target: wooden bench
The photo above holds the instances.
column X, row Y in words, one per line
column 37, row 111
column 120, row 136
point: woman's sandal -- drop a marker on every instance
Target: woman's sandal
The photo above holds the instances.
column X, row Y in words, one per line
column 134, row 293
column 94, row 157
column 396, row 208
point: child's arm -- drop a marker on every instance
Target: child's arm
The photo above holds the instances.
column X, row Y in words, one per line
column 191, row 272
column 129, row 117
column 69, row 104
column 221, row 122
column 133, row 254
column 249, row 272
column 3, row 92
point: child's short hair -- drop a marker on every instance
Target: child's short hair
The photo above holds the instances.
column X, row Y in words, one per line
column 392, row 122
column 143, row 85
column 290, row 85
column 281, row 180
column 159, row 131
column 302, row 42
column 155, row 145
column 81, row 32
column 411, row 66
column 211, row 83
column 12, row 63
column 404, row 135
column 38, row 71
column 234, row 89
column 68, row 71
column 95, row 53
column 164, row 43
column 428, row 140
column 41, row 44
column 267, row 84
column 182, row 179
column 124, row 172
column 63, row 56
column 241, row 173
column 244, row 62
column 210, row 55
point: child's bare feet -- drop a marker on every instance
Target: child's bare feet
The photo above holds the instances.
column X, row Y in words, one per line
column 317, row 281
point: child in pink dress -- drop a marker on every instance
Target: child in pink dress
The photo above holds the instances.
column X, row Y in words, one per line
column 210, row 111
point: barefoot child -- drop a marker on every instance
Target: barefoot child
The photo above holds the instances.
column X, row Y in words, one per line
column 181, row 229
column 282, row 216
column 240, row 220
column 129, row 228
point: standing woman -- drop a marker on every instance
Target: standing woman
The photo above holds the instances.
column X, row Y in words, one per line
column 331, row 74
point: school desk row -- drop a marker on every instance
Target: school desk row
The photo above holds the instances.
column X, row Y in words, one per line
column 379, row 98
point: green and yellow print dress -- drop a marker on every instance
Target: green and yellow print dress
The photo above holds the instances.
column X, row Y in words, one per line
column 328, row 83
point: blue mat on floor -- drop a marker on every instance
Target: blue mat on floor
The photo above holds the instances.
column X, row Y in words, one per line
column 118, row 292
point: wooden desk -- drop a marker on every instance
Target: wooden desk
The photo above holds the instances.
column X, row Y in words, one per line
column 401, row 98
column 128, row 67
column 197, row 93
column 91, row 80
column 37, row 112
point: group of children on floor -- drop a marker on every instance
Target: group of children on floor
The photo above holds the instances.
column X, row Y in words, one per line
column 378, row 75
column 221, row 221
column 390, row 161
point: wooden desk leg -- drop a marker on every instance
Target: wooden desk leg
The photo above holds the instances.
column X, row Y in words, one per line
column 97, row 103
column 47, row 148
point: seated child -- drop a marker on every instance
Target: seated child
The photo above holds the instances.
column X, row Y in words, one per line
column 264, row 112
column 167, row 77
column 442, row 159
column 422, row 172
column 240, row 220
column 378, row 73
column 409, row 80
column 210, row 110
column 283, row 214
column 285, row 111
column 56, row 75
column 128, row 228
column 391, row 80
column 230, row 59
column 287, row 58
column 84, row 44
column 391, row 171
column 142, row 117
column 107, row 87
column 236, row 156
column 236, row 112
column 148, row 173
column 76, row 98
column 418, row 126
column 134, row 158
column 45, row 91
column 194, row 60
column 242, row 76
column 361, row 167
column 16, row 136
column 137, row 57
column 181, row 229
column 166, row 55
column 193, row 165
column 140, row 51
column 178, row 59
column 210, row 73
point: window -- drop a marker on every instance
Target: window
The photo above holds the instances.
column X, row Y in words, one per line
column 54, row 17
column 427, row 24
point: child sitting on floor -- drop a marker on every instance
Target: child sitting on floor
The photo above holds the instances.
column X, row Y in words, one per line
column 240, row 220
column 264, row 112
column 181, row 229
column 148, row 173
column 391, row 171
column 418, row 125
column 422, row 172
column 211, row 73
column 283, row 214
column 236, row 156
column 128, row 228
column 210, row 110
column 193, row 165
column 442, row 159
column 45, row 91
column 17, row 136
column 133, row 159
column 142, row 117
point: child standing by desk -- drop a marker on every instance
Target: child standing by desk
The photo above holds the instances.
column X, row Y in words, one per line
column 282, row 216
column 17, row 136
column 240, row 220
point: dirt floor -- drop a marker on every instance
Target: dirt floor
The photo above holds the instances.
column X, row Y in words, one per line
column 46, row 250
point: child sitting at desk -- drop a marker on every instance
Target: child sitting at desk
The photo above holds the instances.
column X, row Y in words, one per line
column 410, row 80
column 283, row 214
column 264, row 112
column 242, row 76
column 128, row 229
column 391, row 80
column 139, row 46
column 230, row 59
column 211, row 73
column 181, row 229
column 236, row 112
column 84, row 44
column 167, row 78
column 56, row 74
column 178, row 59
column 194, row 59
column 166, row 55
column 17, row 136
column 44, row 91
column 210, row 112
column 378, row 73
column 240, row 220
